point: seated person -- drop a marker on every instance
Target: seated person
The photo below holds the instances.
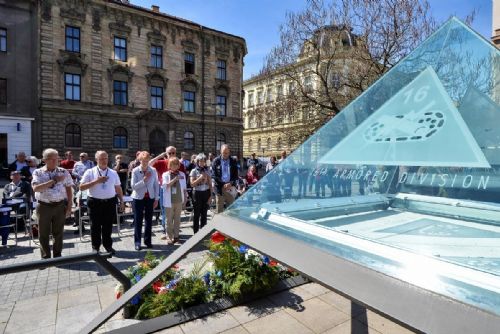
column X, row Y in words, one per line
column 17, row 188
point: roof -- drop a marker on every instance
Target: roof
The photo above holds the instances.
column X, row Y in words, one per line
column 174, row 18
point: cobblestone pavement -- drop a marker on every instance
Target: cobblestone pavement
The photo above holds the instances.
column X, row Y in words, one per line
column 36, row 283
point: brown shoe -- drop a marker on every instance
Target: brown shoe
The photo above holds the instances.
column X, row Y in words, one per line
column 164, row 237
column 176, row 240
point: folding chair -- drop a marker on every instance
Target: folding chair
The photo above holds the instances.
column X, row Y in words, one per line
column 126, row 213
column 5, row 225
column 83, row 213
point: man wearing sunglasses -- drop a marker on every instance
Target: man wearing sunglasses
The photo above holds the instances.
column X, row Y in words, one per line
column 160, row 163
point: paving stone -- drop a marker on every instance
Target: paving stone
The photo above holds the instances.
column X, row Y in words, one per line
column 75, row 297
column 236, row 330
column 343, row 304
column 43, row 330
column 171, row 330
column 318, row 315
column 211, row 324
column 314, row 289
column 382, row 324
column 351, row 326
column 291, row 298
column 253, row 310
column 41, row 312
column 277, row 323
column 72, row 319
column 115, row 324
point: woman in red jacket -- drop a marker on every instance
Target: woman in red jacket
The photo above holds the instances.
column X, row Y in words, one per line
column 252, row 176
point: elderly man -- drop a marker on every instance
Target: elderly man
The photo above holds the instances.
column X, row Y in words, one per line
column 225, row 174
column 53, row 190
column 104, row 186
column 81, row 166
column 19, row 163
column 17, row 188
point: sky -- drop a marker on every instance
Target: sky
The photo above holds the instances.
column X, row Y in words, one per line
column 258, row 21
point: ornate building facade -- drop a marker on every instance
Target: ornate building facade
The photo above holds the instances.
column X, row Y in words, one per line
column 123, row 78
column 277, row 114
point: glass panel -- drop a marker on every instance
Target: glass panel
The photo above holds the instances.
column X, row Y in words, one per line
column 406, row 179
column 69, row 92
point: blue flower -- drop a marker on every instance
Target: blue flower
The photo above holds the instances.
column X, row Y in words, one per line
column 219, row 273
column 172, row 284
column 135, row 300
column 206, row 278
column 137, row 277
column 265, row 259
column 243, row 249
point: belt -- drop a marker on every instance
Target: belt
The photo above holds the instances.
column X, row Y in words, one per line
column 103, row 199
column 51, row 203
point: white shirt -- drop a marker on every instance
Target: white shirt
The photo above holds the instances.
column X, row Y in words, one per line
column 20, row 165
column 104, row 190
column 80, row 167
column 55, row 193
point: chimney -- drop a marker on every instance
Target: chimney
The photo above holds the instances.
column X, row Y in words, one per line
column 155, row 8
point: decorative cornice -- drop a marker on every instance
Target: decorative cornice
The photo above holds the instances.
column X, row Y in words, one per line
column 46, row 7
column 156, row 37
column 73, row 13
column 117, row 68
column 189, row 44
column 119, row 27
column 190, row 79
column 96, row 19
column 156, row 75
column 71, row 59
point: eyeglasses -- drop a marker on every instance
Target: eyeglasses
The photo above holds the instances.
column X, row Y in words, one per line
column 82, row 156
column 170, row 153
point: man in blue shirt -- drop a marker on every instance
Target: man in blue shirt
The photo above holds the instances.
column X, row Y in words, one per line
column 225, row 175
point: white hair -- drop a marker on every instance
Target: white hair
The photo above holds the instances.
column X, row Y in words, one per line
column 224, row 146
column 48, row 152
column 199, row 157
column 99, row 153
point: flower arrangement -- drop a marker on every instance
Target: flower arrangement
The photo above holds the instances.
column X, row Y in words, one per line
column 231, row 270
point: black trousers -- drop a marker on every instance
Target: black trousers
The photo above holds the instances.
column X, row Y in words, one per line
column 102, row 216
column 200, row 199
column 143, row 209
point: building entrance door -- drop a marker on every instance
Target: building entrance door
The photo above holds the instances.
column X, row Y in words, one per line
column 157, row 141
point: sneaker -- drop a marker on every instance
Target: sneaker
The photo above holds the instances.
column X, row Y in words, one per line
column 111, row 250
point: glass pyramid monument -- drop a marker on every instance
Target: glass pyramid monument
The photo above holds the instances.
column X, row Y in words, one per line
column 406, row 179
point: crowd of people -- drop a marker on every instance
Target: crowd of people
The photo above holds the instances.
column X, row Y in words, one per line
column 164, row 181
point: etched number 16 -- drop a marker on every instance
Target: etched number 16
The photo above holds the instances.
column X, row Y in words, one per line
column 418, row 96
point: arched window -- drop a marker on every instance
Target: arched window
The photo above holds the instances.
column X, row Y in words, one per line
column 157, row 141
column 120, row 138
column 221, row 140
column 278, row 143
column 73, row 135
column 188, row 140
column 250, row 145
column 259, row 144
column 268, row 144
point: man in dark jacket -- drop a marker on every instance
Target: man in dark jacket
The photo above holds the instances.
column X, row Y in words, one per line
column 19, row 163
column 225, row 175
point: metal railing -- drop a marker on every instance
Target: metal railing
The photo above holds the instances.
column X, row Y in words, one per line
column 100, row 258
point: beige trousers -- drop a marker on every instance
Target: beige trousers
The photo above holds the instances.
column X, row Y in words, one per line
column 174, row 220
column 225, row 197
